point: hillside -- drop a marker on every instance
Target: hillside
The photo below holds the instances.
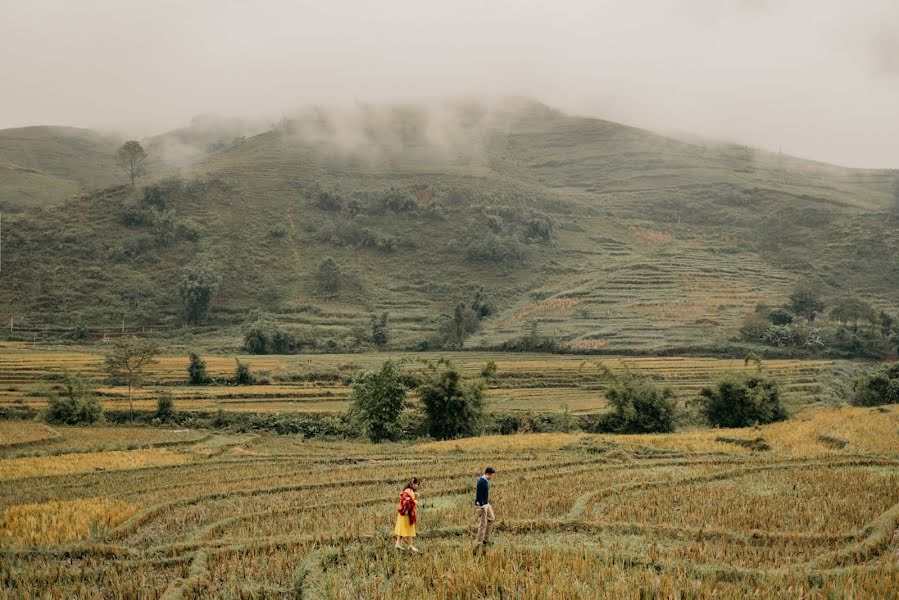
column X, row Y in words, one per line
column 46, row 165
column 603, row 236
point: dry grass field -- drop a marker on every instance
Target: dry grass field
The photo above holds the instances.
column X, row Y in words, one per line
column 150, row 513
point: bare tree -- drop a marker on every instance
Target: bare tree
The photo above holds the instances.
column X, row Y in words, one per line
column 130, row 157
column 127, row 360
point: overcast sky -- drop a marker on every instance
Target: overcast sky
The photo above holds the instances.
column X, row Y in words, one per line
column 815, row 78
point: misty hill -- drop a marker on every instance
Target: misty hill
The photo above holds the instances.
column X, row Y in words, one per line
column 44, row 165
column 602, row 236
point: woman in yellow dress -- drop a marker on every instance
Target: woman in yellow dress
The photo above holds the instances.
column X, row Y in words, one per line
column 407, row 515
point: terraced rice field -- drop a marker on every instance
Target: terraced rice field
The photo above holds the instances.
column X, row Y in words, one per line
column 578, row 515
column 318, row 383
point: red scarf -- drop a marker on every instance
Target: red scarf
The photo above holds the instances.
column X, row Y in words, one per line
column 406, row 505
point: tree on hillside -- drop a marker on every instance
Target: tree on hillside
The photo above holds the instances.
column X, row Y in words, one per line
column 852, row 310
column 806, row 302
column 379, row 332
column 328, row 277
column 126, row 361
column 198, row 285
column 378, row 398
column 453, row 407
column 130, row 157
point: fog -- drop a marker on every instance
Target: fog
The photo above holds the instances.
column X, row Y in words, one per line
column 813, row 78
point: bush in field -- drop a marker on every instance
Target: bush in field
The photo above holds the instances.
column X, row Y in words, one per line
column 453, row 407
column 165, row 407
column 196, row 370
column 243, row 375
column 75, row 405
column 378, row 399
column 489, row 371
column 639, row 406
column 877, row 387
column 742, row 401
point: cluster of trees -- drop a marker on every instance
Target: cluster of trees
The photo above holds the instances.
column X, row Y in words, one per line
column 797, row 326
column 640, row 405
column 263, row 335
column 450, row 405
column 878, row 386
column 465, row 320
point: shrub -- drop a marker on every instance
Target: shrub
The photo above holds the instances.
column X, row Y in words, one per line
column 742, row 401
column 165, row 407
column 639, row 406
column 378, row 399
column 77, row 404
column 877, row 387
column 265, row 336
column 780, row 316
column 328, row 276
column 489, row 371
column 196, row 370
column 243, row 375
column 491, row 248
column 453, row 408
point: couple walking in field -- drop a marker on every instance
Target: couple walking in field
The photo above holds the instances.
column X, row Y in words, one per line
column 407, row 512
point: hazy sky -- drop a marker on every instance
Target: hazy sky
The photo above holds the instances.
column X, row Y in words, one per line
column 815, row 78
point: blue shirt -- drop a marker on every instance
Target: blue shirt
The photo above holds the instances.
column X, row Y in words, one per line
column 483, row 494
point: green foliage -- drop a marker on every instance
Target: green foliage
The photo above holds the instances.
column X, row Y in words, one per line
column 77, row 404
column 481, row 305
column 877, row 387
column 242, row 374
column 639, row 406
column 328, row 277
column 199, row 283
column 491, row 248
column 453, row 407
column 452, row 331
column 805, row 301
column 265, row 336
column 853, row 310
column 130, row 158
column 780, row 316
column 378, row 399
column 533, row 341
column 742, row 401
column 489, row 371
column 196, row 370
column 165, row 407
column 379, row 331
column 165, row 226
column 538, row 229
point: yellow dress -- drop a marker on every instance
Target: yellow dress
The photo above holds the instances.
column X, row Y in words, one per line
column 403, row 527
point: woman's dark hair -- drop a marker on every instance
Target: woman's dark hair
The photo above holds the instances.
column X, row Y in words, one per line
column 411, row 481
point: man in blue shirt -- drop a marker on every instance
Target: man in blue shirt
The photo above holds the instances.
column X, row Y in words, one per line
column 483, row 510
